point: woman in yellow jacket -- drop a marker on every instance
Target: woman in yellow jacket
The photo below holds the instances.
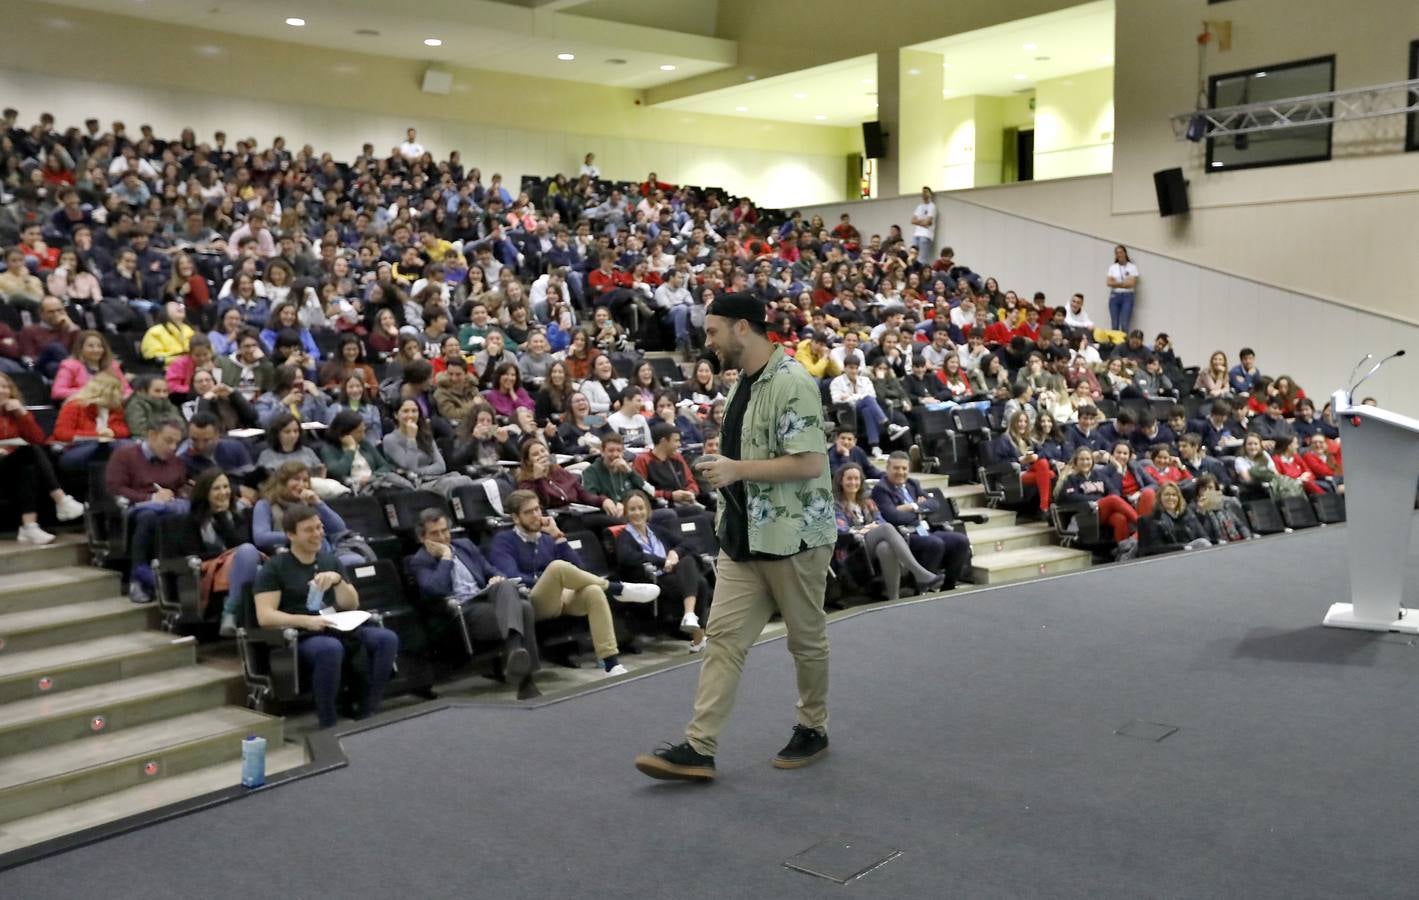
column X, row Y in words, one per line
column 171, row 337
column 813, row 353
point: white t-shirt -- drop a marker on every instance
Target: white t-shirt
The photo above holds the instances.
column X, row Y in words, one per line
column 924, row 210
column 592, row 170
column 411, row 150
column 1120, row 272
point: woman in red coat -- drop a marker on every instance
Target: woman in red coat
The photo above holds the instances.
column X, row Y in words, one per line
column 25, row 464
column 1324, row 462
column 90, row 422
column 1289, row 463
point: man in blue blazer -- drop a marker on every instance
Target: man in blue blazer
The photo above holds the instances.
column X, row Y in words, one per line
column 901, row 502
column 445, row 568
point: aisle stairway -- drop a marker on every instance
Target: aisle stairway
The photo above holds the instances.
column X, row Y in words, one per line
column 101, row 716
column 1004, row 550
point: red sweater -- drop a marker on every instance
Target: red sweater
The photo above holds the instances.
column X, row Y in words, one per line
column 82, row 420
column 20, row 425
column 998, row 333
column 131, row 474
column 1297, row 469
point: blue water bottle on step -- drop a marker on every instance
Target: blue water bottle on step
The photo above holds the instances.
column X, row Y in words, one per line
column 253, row 761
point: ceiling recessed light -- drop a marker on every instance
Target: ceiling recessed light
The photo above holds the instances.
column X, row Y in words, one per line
column 295, row 22
column 667, row 68
column 820, row 118
column 1031, row 47
column 209, row 49
column 1216, row 163
column 566, row 57
column 945, row 65
column 432, row 42
column 1020, row 76
column 741, row 109
column 1260, row 74
column 913, row 71
column 750, row 77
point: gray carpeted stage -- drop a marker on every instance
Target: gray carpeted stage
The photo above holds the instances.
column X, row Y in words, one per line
column 976, row 734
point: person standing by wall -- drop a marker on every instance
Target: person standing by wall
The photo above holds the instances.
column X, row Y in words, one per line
column 924, row 224
column 1123, row 282
column 776, row 533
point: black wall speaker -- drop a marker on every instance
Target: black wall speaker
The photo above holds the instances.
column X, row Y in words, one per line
column 873, row 144
column 1172, row 192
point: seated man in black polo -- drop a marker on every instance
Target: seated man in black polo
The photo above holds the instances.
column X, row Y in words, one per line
column 446, row 568
column 291, row 590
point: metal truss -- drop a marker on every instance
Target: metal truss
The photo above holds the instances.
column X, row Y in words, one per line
column 1399, row 98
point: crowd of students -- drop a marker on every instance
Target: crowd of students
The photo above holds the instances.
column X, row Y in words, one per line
column 247, row 333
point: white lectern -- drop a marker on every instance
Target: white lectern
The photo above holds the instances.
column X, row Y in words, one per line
column 1381, row 468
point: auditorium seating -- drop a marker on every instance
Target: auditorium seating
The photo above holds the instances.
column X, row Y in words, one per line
column 980, row 495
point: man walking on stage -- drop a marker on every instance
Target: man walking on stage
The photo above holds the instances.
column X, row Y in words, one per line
column 776, row 533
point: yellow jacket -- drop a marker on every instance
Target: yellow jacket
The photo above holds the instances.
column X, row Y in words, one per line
column 164, row 341
column 823, row 367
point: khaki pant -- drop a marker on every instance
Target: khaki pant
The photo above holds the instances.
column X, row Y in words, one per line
column 745, row 596
column 565, row 590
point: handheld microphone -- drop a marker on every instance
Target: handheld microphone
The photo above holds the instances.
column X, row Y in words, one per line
column 1373, row 369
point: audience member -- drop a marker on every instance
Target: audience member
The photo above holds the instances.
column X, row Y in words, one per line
column 294, row 588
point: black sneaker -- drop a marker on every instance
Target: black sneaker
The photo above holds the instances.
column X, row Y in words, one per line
column 678, row 762
column 805, row 747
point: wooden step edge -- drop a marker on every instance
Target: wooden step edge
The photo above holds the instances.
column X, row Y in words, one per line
column 149, row 797
column 27, row 663
column 50, row 680
column 84, row 611
column 219, row 742
column 87, row 701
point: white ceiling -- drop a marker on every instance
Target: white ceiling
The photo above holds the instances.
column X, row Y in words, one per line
column 987, row 61
column 478, row 34
column 842, row 93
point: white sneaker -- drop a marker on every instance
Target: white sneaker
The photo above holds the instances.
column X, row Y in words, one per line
column 68, row 509
column 617, row 669
column 896, row 431
column 690, row 623
column 227, row 629
column 33, row 534
column 699, row 645
column 635, row 592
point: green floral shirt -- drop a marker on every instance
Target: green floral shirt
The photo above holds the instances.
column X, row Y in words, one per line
column 784, row 417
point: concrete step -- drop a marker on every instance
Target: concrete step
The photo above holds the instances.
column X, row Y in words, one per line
column 83, row 713
column 1027, row 563
column 38, row 589
column 67, row 550
column 997, row 518
column 145, row 797
column 77, row 771
column 1011, row 537
column 52, row 670
column 53, row 625
column 967, row 496
column 932, row 481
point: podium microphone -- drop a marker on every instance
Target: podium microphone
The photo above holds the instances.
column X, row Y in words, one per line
column 1366, row 358
column 1373, row 369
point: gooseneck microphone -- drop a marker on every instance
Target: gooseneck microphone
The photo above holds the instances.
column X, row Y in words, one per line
column 1373, row 369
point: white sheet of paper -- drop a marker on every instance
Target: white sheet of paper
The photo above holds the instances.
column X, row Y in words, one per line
column 346, row 620
column 245, row 432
